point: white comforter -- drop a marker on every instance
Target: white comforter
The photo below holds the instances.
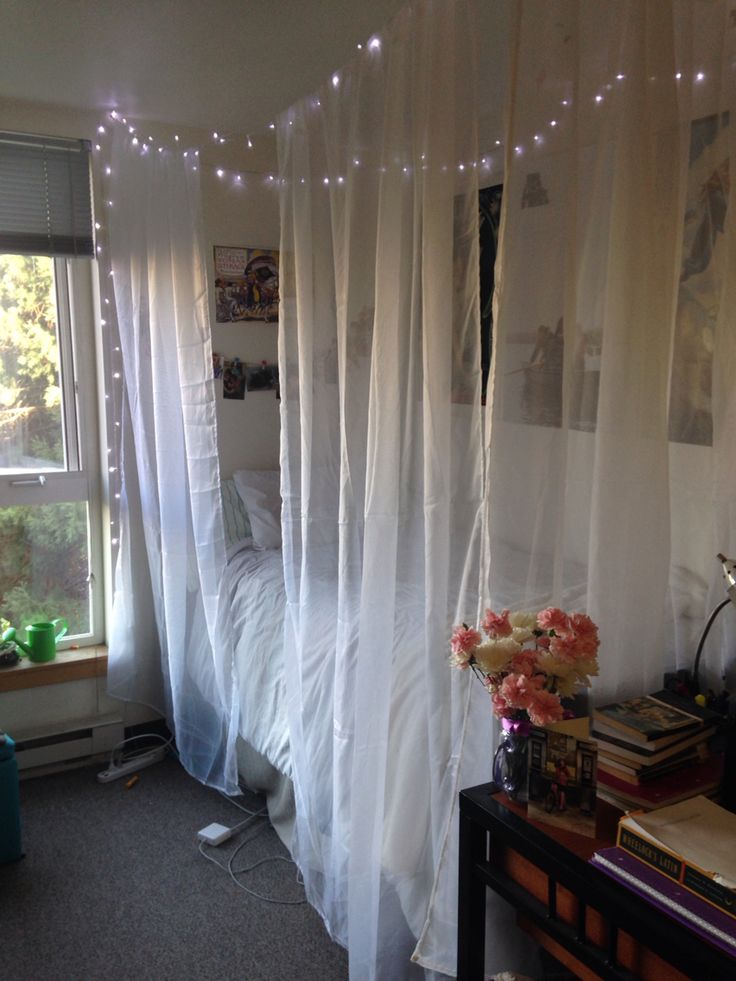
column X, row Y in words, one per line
column 255, row 588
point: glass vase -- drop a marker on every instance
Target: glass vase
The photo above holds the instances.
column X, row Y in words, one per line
column 510, row 762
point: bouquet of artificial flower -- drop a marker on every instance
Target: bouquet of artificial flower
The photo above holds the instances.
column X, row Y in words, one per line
column 529, row 662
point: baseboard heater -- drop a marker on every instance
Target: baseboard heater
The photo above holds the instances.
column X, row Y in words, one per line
column 68, row 744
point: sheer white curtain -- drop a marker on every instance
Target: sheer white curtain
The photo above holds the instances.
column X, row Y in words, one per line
column 612, row 440
column 382, row 481
column 170, row 644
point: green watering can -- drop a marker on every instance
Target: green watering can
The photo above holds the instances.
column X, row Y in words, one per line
column 41, row 639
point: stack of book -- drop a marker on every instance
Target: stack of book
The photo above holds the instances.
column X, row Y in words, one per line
column 681, row 859
column 654, row 751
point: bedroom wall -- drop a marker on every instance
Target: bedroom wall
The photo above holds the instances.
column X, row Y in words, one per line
column 248, row 430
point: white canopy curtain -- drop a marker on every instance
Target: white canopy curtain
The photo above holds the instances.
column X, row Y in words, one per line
column 382, row 481
column 612, row 441
column 170, row 640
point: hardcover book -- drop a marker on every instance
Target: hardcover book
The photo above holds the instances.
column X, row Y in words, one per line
column 704, row 778
column 646, row 718
column 669, row 896
column 641, row 755
column 636, row 774
column 562, row 776
column 692, row 842
column 639, row 741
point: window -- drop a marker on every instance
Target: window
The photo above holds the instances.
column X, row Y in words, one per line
column 50, row 506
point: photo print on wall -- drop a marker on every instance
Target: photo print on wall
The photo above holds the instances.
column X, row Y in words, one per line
column 233, row 379
column 246, row 284
column 239, row 377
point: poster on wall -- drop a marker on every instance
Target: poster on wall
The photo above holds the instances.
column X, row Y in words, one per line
column 489, row 221
column 704, row 263
column 246, row 284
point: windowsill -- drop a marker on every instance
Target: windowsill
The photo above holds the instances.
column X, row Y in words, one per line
column 69, row 665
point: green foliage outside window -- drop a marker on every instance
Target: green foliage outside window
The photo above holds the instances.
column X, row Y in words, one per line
column 43, row 548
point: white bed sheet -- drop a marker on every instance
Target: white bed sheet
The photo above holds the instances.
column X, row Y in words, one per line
column 254, row 586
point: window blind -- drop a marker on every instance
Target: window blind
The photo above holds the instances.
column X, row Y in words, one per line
column 45, row 196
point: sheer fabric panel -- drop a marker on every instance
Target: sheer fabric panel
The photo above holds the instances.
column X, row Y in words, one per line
column 609, row 455
column 382, row 480
column 170, row 639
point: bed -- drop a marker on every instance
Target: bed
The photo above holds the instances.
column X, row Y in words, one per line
column 254, row 591
column 254, row 588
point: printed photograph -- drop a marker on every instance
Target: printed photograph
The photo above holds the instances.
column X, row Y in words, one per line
column 233, row 380
column 262, row 377
column 246, row 284
column 562, row 781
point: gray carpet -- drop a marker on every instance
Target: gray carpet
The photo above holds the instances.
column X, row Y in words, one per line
column 113, row 887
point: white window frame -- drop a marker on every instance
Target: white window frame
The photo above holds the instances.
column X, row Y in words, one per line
column 81, row 480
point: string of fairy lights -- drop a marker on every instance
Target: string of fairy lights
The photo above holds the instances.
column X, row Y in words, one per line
column 487, row 164
column 239, row 177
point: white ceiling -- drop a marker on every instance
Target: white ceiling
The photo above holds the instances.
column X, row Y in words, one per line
column 227, row 64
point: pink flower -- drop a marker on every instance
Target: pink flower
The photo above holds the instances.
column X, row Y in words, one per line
column 525, row 662
column 501, row 707
column 553, row 619
column 544, row 707
column 583, row 625
column 565, row 647
column 464, row 639
column 517, row 690
column 587, row 634
column 497, row 624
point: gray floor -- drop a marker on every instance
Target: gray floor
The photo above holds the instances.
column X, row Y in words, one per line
column 113, row 887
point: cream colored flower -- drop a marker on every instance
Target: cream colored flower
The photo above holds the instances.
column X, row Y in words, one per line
column 587, row 667
column 551, row 664
column 493, row 656
column 523, row 620
column 567, row 686
column 521, row 634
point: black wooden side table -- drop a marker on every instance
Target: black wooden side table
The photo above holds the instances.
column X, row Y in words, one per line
column 588, row 922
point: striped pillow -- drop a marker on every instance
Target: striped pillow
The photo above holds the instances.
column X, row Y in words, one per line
column 234, row 514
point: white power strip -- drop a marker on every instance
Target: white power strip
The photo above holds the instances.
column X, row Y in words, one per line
column 154, row 755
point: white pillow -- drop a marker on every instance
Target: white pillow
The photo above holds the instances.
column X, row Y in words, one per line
column 260, row 491
column 234, row 514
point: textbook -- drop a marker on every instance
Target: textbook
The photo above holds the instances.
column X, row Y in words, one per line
column 663, row 892
column 637, row 774
column 692, row 842
column 637, row 741
column 646, row 718
column 641, row 755
column 704, row 778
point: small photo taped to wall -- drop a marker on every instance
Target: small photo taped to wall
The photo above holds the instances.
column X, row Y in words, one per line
column 233, row 380
column 263, row 377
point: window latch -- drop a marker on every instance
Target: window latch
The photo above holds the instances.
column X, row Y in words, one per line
column 40, row 480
